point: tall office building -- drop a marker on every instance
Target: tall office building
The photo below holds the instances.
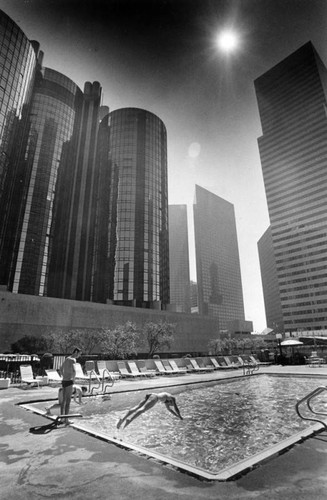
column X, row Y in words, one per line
column 194, row 297
column 137, row 255
column 217, row 258
column 73, row 228
column 83, row 202
column 293, row 149
column 52, row 116
column 18, row 58
column 179, row 258
column 273, row 307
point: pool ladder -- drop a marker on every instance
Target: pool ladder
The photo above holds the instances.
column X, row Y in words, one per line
column 250, row 368
column 100, row 383
column 307, row 399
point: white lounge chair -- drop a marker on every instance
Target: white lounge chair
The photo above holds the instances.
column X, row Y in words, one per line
column 160, row 367
column 215, row 363
column 53, row 376
column 196, row 367
column 176, row 368
column 169, row 368
column 26, row 375
column 200, row 362
column 134, row 369
column 123, row 370
column 223, row 363
column 104, row 372
column 79, row 372
column 231, row 363
column 143, row 369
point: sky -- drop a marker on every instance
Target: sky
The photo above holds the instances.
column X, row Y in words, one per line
column 162, row 56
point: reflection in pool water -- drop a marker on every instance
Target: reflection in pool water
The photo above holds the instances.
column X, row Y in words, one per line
column 223, row 423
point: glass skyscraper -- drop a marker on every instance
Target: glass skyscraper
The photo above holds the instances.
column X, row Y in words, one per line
column 269, row 280
column 137, row 246
column 17, row 69
column 179, row 259
column 293, row 149
column 73, row 229
column 52, row 116
column 83, row 192
column 17, row 66
column 217, row 258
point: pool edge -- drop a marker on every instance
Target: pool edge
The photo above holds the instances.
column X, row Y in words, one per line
column 227, row 474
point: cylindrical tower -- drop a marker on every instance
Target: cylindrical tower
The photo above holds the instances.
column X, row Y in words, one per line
column 17, row 69
column 138, row 222
column 52, row 117
column 73, row 229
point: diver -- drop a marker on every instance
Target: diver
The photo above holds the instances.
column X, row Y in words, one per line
column 146, row 404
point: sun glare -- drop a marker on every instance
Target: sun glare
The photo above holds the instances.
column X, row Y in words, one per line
column 227, row 41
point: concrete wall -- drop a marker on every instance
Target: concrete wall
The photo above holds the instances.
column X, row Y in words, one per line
column 30, row 315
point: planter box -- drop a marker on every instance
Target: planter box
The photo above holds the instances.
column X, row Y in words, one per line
column 4, row 383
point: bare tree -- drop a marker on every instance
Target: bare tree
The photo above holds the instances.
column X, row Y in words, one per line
column 63, row 341
column 222, row 346
column 216, row 346
column 122, row 342
column 158, row 336
column 29, row 344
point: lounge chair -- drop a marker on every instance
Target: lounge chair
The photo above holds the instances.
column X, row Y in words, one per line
column 123, row 370
column 160, row 367
column 113, row 368
column 134, row 369
column 104, row 372
column 53, row 376
column 79, row 372
column 89, row 365
column 90, row 371
column 143, row 369
column 26, row 375
column 196, row 366
column 223, row 363
column 167, row 366
column 247, row 365
column 189, row 366
column 215, row 363
column 247, row 361
column 231, row 363
column 176, row 368
column 200, row 362
column 255, row 360
column 92, row 375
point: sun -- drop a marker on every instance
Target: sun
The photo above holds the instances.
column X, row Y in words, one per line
column 227, row 41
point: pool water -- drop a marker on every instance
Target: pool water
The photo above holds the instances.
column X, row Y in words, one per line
column 223, row 423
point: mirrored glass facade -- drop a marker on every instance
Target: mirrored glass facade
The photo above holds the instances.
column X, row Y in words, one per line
column 138, row 155
column 17, row 65
column 217, row 258
column 83, row 203
column 73, row 230
column 179, row 259
column 17, row 70
column 52, row 116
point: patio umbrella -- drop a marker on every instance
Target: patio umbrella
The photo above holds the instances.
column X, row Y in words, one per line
column 291, row 342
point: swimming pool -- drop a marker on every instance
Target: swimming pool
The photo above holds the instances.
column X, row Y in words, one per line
column 223, row 424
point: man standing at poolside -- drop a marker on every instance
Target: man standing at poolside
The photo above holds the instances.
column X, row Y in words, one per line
column 68, row 372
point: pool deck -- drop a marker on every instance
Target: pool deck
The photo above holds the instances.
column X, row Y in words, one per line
column 37, row 462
